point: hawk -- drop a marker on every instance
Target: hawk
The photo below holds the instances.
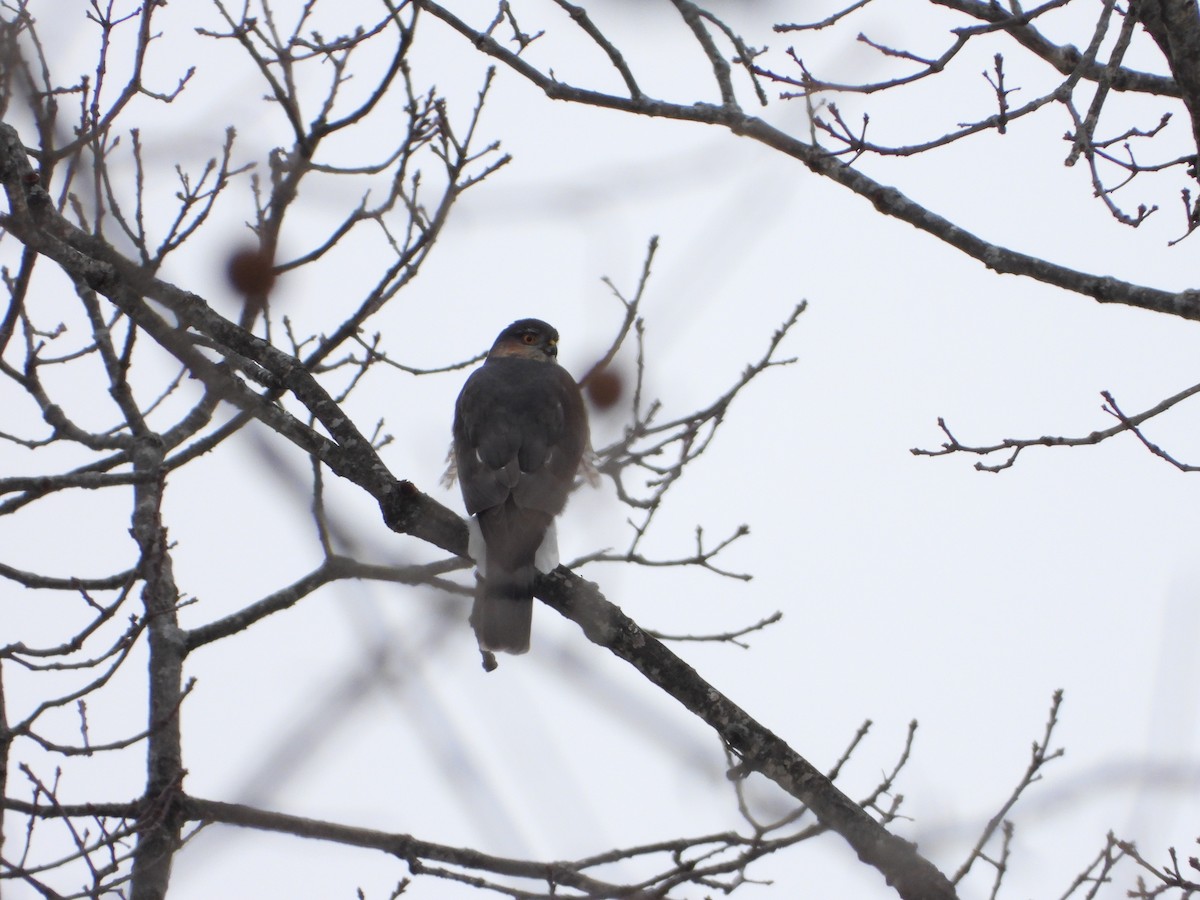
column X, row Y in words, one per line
column 520, row 432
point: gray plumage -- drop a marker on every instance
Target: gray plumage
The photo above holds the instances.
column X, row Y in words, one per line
column 520, row 432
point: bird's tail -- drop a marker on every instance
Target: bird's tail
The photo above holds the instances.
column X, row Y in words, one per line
column 512, row 539
column 503, row 610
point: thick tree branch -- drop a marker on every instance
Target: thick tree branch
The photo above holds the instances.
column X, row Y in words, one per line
column 1063, row 57
column 759, row 749
column 160, row 828
column 1175, row 27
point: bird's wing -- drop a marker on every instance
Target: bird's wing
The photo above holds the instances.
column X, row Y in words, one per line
column 520, row 430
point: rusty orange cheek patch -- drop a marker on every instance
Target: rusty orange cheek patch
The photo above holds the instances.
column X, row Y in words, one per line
column 516, row 348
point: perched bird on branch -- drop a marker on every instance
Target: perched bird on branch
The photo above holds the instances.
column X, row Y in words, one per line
column 520, row 433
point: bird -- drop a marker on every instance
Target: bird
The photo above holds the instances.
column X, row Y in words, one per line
column 520, row 436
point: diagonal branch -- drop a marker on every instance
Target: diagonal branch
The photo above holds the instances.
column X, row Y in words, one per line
column 887, row 200
column 758, row 748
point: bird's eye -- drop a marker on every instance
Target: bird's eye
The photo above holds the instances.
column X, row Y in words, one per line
column 529, row 337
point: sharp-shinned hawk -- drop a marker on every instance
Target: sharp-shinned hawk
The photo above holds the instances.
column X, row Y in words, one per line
column 520, row 432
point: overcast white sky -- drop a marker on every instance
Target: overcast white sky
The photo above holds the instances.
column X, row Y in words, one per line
column 909, row 587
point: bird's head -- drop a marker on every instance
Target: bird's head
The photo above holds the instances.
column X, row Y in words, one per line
column 528, row 339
